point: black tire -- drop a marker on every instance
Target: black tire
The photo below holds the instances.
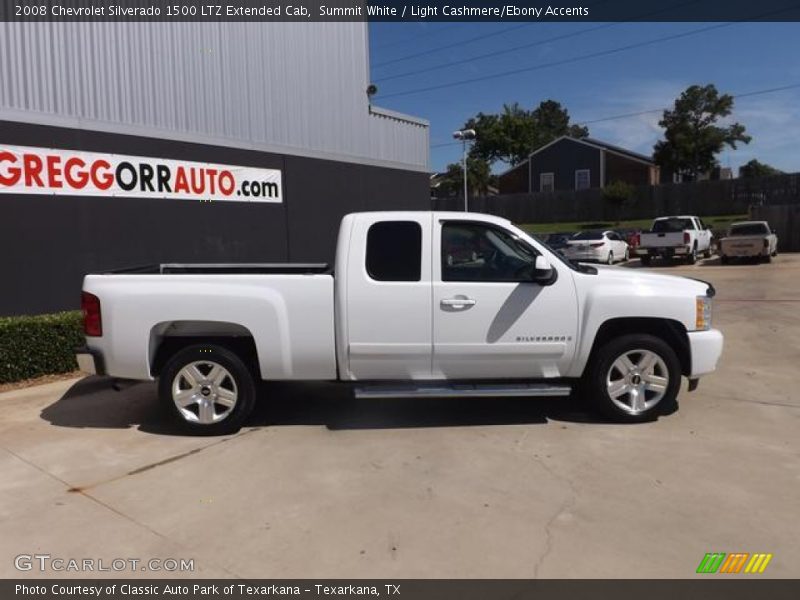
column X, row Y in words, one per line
column 724, row 260
column 595, row 383
column 238, row 380
column 610, row 258
column 645, row 260
column 691, row 258
column 767, row 258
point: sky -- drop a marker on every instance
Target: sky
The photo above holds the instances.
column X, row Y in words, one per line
column 737, row 57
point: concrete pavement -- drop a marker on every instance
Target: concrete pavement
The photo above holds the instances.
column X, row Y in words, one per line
column 322, row 485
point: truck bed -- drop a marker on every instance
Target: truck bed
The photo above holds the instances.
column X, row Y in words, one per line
column 226, row 269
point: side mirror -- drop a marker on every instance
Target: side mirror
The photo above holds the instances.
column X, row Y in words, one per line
column 543, row 271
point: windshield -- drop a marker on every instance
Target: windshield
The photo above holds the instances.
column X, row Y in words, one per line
column 588, row 235
column 672, row 225
column 749, row 229
column 557, row 255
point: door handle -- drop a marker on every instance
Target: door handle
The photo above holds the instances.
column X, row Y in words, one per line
column 457, row 302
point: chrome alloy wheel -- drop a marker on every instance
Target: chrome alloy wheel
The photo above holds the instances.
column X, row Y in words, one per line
column 637, row 381
column 204, row 392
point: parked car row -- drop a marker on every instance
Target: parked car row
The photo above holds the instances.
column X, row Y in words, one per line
column 674, row 237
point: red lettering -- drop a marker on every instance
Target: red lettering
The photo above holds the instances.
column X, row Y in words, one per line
column 54, row 171
column 102, row 181
column 79, row 179
column 181, row 184
column 13, row 173
column 33, row 170
column 226, row 183
column 212, row 180
column 198, row 187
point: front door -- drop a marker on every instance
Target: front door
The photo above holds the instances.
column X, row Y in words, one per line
column 489, row 319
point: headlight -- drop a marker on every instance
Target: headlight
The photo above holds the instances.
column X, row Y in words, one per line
column 703, row 313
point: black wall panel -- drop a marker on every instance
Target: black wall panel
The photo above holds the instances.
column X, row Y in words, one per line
column 48, row 243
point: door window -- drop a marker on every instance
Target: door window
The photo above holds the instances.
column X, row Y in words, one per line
column 394, row 251
column 477, row 252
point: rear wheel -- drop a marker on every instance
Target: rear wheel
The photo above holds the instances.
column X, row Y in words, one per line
column 610, row 258
column 691, row 258
column 645, row 260
column 724, row 259
column 634, row 378
column 207, row 390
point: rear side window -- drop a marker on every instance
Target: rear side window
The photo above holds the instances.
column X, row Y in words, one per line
column 394, row 251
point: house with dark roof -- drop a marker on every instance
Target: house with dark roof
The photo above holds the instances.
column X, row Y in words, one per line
column 570, row 163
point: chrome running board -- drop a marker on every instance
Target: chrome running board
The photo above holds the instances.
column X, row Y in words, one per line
column 478, row 390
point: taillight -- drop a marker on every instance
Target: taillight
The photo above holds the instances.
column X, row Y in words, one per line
column 597, row 245
column 92, row 322
column 686, row 238
column 635, row 238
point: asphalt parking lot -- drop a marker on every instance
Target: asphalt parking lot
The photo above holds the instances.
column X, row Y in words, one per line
column 325, row 486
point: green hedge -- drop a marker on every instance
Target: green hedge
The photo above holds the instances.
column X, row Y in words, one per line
column 39, row 345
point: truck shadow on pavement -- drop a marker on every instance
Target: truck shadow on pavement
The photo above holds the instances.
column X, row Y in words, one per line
column 92, row 403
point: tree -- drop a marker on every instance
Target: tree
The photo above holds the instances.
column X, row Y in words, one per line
column 692, row 136
column 479, row 178
column 620, row 195
column 755, row 168
column 512, row 134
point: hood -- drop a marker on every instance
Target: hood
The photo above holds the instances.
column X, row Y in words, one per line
column 651, row 280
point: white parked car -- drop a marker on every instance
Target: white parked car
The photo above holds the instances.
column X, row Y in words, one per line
column 597, row 245
column 424, row 304
column 749, row 239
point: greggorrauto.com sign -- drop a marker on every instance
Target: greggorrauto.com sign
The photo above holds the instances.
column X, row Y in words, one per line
column 27, row 170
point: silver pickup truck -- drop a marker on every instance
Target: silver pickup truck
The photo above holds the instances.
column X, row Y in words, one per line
column 749, row 239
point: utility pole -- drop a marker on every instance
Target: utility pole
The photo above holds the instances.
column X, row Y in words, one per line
column 465, row 135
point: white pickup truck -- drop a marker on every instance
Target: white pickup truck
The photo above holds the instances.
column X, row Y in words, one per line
column 427, row 304
column 675, row 237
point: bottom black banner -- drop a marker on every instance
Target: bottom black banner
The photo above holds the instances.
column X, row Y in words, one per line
column 407, row 589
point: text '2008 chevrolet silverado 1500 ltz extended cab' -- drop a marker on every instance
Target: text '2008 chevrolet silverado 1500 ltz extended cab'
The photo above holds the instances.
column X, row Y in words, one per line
column 427, row 304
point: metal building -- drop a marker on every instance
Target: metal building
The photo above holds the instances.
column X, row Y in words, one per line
column 284, row 105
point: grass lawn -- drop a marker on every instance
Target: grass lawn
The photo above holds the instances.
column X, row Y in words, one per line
column 717, row 223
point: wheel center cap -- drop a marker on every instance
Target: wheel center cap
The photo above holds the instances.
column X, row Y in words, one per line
column 205, row 390
column 636, row 379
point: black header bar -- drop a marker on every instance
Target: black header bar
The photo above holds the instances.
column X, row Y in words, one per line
column 399, row 10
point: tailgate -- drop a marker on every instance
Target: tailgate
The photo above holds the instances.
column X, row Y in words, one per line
column 661, row 240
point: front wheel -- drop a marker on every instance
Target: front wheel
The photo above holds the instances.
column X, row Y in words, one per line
column 633, row 378
column 207, row 390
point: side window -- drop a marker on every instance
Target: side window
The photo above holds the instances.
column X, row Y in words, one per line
column 583, row 179
column 546, row 182
column 394, row 251
column 478, row 252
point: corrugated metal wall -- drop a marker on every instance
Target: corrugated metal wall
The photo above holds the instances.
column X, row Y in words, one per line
column 297, row 88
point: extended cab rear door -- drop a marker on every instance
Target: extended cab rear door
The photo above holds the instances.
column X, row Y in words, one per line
column 387, row 312
column 489, row 319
